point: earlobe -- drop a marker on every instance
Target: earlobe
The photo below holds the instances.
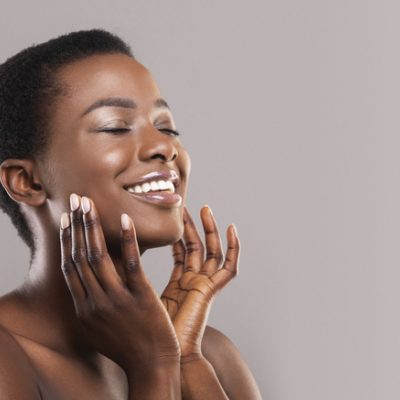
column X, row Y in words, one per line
column 19, row 181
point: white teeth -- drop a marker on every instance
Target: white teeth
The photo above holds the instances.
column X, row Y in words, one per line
column 162, row 185
column 153, row 186
column 146, row 187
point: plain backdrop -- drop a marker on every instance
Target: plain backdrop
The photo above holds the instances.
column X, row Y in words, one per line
column 289, row 110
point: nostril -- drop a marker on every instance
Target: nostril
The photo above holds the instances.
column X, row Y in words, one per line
column 158, row 155
column 164, row 158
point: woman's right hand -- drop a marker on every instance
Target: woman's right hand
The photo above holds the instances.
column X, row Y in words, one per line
column 126, row 322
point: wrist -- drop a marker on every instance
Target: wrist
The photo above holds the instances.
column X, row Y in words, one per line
column 199, row 379
column 152, row 368
column 192, row 358
column 159, row 380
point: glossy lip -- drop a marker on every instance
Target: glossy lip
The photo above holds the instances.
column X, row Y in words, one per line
column 162, row 198
column 170, row 175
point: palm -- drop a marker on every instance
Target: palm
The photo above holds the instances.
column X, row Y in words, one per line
column 194, row 282
column 173, row 296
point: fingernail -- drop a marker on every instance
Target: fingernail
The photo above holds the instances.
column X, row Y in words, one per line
column 235, row 230
column 125, row 223
column 209, row 209
column 85, row 205
column 74, row 201
column 64, row 220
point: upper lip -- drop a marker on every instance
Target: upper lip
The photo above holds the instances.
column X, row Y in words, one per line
column 166, row 175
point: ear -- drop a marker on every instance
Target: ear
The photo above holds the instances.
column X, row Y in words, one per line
column 21, row 181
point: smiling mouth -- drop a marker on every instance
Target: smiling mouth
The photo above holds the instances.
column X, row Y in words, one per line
column 160, row 193
column 152, row 186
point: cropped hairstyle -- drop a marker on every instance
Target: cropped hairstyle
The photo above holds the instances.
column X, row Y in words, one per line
column 28, row 86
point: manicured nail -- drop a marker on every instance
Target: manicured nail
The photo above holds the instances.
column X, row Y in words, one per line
column 209, row 209
column 125, row 223
column 74, row 201
column 85, row 205
column 234, row 229
column 64, row 220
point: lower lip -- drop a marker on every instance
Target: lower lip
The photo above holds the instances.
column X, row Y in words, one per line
column 162, row 198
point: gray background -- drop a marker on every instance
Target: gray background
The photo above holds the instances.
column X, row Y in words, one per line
column 289, row 111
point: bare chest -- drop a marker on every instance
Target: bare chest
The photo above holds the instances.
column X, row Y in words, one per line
column 61, row 377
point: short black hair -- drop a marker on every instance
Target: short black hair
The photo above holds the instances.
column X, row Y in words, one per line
column 27, row 87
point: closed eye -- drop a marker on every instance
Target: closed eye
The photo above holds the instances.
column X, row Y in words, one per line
column 123, row 130
column 173, row 132
column 116, row 130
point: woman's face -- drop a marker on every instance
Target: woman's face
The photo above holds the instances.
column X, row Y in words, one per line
column 110, row 132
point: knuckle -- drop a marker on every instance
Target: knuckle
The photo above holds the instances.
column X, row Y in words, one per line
column 65, row 234
column 89, row 223
column 216, row 255
column 120, row 302
column 132, row 264
column 67, row 266
column 178, row 254
column 190, row 268
column 194, row 246
column 78, row 255
column 128, row 237
column 76, row 219
column 99, row 308
column 178, row 263
column 96, row 256
column 234, row 247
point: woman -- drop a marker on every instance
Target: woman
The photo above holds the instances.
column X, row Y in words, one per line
column 93, row 174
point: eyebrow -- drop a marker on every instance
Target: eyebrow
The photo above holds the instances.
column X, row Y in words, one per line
column 121, row 102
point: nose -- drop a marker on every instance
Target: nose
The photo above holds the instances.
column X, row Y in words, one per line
column 156, row 144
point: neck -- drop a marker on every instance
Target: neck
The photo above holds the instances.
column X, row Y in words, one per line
column 46, row 302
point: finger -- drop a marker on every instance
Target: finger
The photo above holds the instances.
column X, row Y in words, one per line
column 67, row 265
column 178, row 253
column 135, row 276
column 230, row 267
column 214, row 253
column 79, row 251
column 97, row 252
column 194, row 247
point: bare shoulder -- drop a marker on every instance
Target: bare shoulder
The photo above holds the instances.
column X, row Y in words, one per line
column 232, row 371
column 17, row 376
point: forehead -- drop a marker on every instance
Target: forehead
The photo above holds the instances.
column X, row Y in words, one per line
column 110, row 75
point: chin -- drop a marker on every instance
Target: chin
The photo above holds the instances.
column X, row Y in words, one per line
column 161, row 237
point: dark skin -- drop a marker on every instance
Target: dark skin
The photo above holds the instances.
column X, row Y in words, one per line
column 131, row 344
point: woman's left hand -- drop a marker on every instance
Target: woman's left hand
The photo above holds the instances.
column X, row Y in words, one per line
column 195, row 282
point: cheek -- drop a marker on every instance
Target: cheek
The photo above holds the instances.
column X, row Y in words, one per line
column 96, row 164
column 112, row 160
column 184, row 162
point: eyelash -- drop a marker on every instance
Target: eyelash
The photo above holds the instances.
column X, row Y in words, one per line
column 117, row 130
column 175, row 133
